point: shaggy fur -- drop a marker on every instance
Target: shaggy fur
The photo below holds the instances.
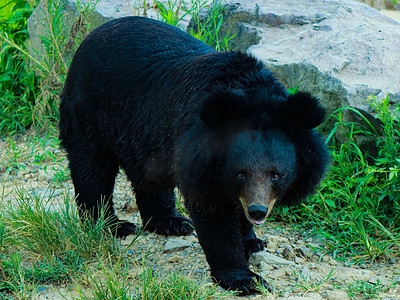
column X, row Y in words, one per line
column 173, row 112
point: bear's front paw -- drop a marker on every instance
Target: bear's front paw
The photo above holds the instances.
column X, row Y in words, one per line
column 176, row 225
column 123, row 229
column 253, row 245
column 244, row 281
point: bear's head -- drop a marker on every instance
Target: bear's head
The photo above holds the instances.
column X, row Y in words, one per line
column 258, row 149
column 257, row 168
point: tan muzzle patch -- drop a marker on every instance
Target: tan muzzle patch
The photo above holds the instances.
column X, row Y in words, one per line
column 246, row 212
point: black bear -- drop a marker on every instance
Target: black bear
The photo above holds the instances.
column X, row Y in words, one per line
column 173, row 112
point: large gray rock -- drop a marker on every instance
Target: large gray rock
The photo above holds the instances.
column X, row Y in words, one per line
column 342, row 51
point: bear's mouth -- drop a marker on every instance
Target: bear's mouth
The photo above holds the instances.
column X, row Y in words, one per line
column 255, row 222
column 251, row 220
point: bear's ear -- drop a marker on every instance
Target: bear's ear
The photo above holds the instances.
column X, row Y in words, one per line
column 304, row 111
column 223, row 107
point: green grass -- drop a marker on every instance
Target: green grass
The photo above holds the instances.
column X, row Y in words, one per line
column 357, row 207
column 114, row 282
column 42, row 244
column 367, row 290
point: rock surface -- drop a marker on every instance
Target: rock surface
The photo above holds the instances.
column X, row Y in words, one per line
column 174, row 244
column 268, row 258
column 341, row 51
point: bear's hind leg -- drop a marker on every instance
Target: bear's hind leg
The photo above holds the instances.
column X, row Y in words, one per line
column 159, row 215
column 93, row 174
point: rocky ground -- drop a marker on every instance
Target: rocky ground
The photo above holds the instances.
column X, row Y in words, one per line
column 292, row 262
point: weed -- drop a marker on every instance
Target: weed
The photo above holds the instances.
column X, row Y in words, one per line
column 176, row 286
column 60, row 175
column 58, row 45
column 18, row 83
column 366, row 289
column 357, row 207
column 170, row 13
column 208, row 25
column 114, row 282
column 47, row 233
column 26, row 98
column 307, row 285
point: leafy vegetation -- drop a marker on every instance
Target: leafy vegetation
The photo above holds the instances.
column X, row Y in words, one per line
column 18, row 83
column 357, row 208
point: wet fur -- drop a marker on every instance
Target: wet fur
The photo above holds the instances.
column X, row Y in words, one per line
column 166, row 108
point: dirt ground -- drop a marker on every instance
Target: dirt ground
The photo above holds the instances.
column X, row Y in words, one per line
column 293, row 263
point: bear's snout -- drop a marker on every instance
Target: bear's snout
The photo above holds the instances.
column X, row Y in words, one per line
column 257, row 213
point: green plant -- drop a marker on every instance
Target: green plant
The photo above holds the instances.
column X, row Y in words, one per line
column 114, row 283
column 41, row 244
column 308, row 285
column 170, row 13
column 59, row 44
column 18, row 83
column 26, row 98
column 357, row 207
column 48, row 233
column 207, row 26
column 366, row 289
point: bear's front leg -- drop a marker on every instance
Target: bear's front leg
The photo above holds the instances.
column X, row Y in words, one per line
column 220, row 236
column 251, row 243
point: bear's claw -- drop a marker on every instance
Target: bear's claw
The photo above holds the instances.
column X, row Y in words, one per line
column 253, row 245
column 176, row 225
column 243, row 281
column 124, row 228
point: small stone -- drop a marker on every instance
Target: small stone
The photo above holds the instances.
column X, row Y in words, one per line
column 280, row 251
column 379, row 280
column 191, row 239
column 325, row 259
column 175, row 244
column 305, row 273
column 298, row 260
column 274, row 242
column 264, row 266
column 337, row 295
column 277, row 273
column 268, row 258
column 288, row 252
column 41, row 289
column 315, row 258
column 309, row 296
column 304, row 251
column 174, row 259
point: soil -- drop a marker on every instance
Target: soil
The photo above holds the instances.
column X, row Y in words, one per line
column 298, row 269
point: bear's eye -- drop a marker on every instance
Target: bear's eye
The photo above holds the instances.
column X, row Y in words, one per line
column 275, row 176
column 241, row 176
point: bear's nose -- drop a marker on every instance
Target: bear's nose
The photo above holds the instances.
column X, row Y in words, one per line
column 257, row 212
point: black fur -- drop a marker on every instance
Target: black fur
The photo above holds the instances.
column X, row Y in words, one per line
column 171, row 111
